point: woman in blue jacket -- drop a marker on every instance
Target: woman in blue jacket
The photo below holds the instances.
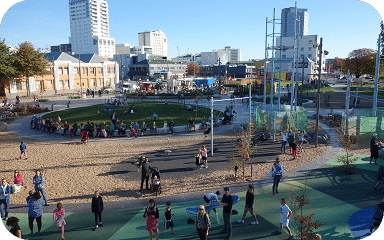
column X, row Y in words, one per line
column 5, row 197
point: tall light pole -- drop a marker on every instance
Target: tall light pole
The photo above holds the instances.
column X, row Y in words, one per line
column 81, row 84
column 320, row 46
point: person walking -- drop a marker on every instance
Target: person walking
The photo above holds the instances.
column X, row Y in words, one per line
column 171, row 126
column 152, row 215
column 374, row 147
column 38, row 182
column 202, row 223
column 277, row 172
column 15, row 230
column 285, row 214
column 97, row 208
column 168, row 222
column 227, row 202
column 58, row 218
column 5, row 197
column 23, row 149
column 291, row 139
column 35, row 210
column 249, row 205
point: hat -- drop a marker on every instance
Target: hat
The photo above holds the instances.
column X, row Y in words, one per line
column 375, row 134
column 226, row 188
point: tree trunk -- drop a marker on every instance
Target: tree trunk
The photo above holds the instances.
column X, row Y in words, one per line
column 27, row 85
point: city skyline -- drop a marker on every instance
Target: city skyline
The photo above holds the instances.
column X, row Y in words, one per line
column 200, row 29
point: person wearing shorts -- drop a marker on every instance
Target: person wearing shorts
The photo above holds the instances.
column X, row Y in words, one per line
column 203, row 152
column 285, row 214
column 249, row 205
column 374, row 147
column 152, row 215
column 23, row 149
column 168, row 222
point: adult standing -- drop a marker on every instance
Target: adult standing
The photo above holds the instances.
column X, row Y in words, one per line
column 35, row 210
column 249, row 205
column 202, row 223
column 374, row 146
column 23, row 149
column 283, row 141
column 15, row 230
column 277, row 171
column 5, row 196
column 97, row 208
column 155, row 116
column 38, row 182
column 227, row 202
column 291, row 139
column 66, row 127
column 145, row 167
column 114, row 118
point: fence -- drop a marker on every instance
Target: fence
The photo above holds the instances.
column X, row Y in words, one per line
column 281, row 121
column 361, row 122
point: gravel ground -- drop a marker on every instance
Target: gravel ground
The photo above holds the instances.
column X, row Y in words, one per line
column 74, row 171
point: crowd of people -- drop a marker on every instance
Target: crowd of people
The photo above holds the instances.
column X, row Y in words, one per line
column 295, row 142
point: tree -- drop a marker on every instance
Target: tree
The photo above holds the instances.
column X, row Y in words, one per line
column 7, row 67
column 30, row 62
column 339, row 64
column 193, row 68
column 361, row 61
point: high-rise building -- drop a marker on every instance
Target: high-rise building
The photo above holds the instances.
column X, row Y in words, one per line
column 155, row 39
column 89, row 22
column 288, row 17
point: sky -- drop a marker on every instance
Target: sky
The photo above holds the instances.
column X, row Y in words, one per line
column 199, row 25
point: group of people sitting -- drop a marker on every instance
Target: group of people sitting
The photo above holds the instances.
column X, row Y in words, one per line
column 49, row 125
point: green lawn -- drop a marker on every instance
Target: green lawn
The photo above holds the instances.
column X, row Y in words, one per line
column 96, row 114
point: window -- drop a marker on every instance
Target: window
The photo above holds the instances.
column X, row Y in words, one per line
column 284, row 56
column 49, row 82
column 91, row 82
column 65, row 70
column 309, row 49
column 94, row 41
column 302, row 49
column 99, row 70
column 67, row 83
column 83, row 71
column 60, row 71
column 92, row 70
column 99, row 82
column 75, row 70
column 61, row 84
column 309, row 55
column 38, row 85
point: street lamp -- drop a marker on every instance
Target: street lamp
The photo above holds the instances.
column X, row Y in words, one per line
column 320, row 46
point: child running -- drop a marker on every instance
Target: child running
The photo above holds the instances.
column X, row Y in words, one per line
column 168, row 223
column 285, row 214
column 23, row 149
column 152, row 215
column 58, row 219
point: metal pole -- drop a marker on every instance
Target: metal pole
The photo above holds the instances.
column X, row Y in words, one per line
column 212, row 126
column 377, row 71
column 318, row 95
column 279, row 87
column 250, row 99
column 297, row 64
column 81, row 84
column 356, row 96
column 347, row 97
column 294, row 58
column 273, row 62
column 265, row 65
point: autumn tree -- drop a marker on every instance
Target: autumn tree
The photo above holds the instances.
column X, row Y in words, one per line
column 339, row 64
column 30, row 62
column 7, row 67
column 193, row 68
column 361, row 61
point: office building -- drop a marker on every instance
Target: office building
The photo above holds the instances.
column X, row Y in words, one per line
column 288, row 16
column 157, row 40
column 89, row 23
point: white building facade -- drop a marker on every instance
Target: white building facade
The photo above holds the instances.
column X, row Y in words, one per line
column 157, row 40
column 89, row 21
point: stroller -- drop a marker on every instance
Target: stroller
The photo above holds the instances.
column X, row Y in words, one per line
column 155, row 181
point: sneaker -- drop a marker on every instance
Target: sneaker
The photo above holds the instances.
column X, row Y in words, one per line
column 255, row 223
column 100, row 224
column 240, row 221
column 206, row 166
column 95, row 228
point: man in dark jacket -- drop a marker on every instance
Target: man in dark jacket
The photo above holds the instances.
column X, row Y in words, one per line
column 145, row 168
column 227, row 202
column 374, row 146
column 97, row 208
